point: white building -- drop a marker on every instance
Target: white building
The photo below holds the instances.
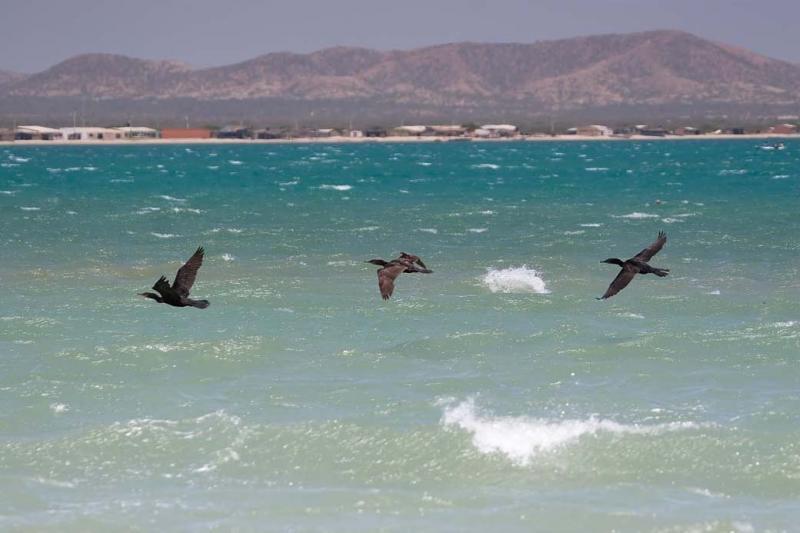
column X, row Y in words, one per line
column 138, row 132
column 411, row 130
column 91, row 133
column 37, row 133
column 497, row 130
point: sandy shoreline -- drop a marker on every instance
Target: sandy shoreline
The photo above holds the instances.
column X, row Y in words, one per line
column 403, row 139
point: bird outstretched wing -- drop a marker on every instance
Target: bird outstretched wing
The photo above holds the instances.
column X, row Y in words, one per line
column 162, row 286
column 186, row 275
column 620, row 282
column 653, row 249
column 413, row 259
column 386, row 277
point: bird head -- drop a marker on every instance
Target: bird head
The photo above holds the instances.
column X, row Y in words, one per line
column 613, row 261
column 379, row 262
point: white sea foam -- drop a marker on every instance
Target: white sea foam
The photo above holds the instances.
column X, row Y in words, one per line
column 424, row 163
column 487, row 165
column 234, row 162
column 228, row 257
column 59, row 408
column 515, row 280
column 429, row 230
column 522, row 439
column 164, row 235
column 19, row 159
column 636, row 215
column 287, row 183
column 596, row 169
column 26, row 208
column 477, row 230
column 670, row 220
column 575, row 232
column 591, row 225
column 780, row 176
column 171, row 198
column 368, row 228
column 336, row 187
column 8, row 192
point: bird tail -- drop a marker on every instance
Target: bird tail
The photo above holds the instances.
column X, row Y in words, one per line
column 200, row 304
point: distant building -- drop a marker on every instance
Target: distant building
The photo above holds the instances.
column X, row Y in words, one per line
column 37, row 133
column 268, row 133
column 6, row 134
column 138, row 132
column 448, row 130
column 594, row 130
column 355, row 133
column 233, row 132
column 323, row 132
column 375, row 132
column 412, row 130
column 186, row 133
column 783, row 129
column 497, row 130
column 686, row 130
column 652, row 132
column 91, row 133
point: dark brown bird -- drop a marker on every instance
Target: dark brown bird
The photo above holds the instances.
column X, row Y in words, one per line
column 413, row 259
column 178, row 294
column 636, row 265
column 391, row 269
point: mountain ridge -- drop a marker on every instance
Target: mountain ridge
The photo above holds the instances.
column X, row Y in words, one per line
column 655, row 68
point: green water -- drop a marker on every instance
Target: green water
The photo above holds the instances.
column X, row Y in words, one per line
column 495, row 394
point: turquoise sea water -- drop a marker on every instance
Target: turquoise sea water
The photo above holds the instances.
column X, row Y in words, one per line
column 494, row 395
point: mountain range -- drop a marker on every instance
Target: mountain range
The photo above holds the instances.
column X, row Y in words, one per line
column 657, row 70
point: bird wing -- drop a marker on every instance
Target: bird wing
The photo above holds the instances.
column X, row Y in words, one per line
column 386, row 277
column 186, row 275
column 653, row 249
column 620, row 282
column 162, row 286
column 413, row 259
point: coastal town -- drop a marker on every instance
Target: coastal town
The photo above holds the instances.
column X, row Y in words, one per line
column 450, row 132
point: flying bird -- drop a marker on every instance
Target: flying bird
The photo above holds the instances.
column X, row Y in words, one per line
column 413, row 259
column 636, row 265
column 390, row 270
column 178, row 294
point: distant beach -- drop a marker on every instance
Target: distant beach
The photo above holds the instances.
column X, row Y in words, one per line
column 401, row 139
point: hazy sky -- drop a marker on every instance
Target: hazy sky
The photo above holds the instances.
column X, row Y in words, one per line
column 39, row 33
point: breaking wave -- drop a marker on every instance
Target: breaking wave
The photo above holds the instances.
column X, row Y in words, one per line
column 515, row 279
column 521, row 439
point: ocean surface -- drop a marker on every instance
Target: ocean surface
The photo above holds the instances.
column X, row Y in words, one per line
column 494, row 395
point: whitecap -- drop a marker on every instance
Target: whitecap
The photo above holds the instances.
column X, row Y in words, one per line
column 780, row 176
column 164, row 235
column 521, row 439
column 336, row 187
column 591, row 225
column 235, row 162
column 171, row 198
column 59, row 408
column 670, row 220
column 487, row 165
column 477, row 230
column 26, row 208
column 228, row 257
column 368, row 228
column 287, row 183
column 576, row 232
column 424, row 163
column 486, row 212
column 714, row 292
column 8, row 192
column 636, row 215
column 596, row 169
column 429, row 230
column 515, row 280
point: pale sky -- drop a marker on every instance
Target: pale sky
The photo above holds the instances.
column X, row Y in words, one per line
column 39, row 33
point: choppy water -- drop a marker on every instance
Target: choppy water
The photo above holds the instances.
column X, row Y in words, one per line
column 495, row 394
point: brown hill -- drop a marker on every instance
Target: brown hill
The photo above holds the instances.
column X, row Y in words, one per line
column 657, row 68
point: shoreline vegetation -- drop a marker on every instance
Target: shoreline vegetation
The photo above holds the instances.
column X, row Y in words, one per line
column 395, row 139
